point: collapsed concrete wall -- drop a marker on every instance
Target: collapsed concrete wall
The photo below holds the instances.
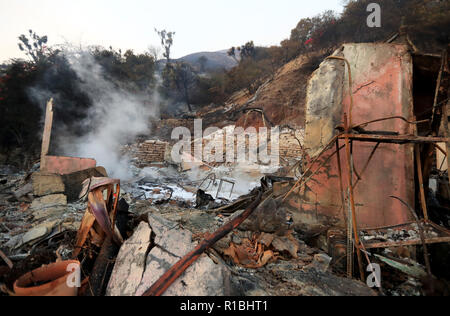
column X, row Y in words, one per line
column 214, row 148
column 290, row 145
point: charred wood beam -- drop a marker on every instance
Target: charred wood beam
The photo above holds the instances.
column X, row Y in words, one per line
column 446, row 69
column 351, row 197
column 423, row 200
column 442, row 85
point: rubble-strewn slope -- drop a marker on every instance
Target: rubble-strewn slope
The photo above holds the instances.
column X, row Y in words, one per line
column 282, row 98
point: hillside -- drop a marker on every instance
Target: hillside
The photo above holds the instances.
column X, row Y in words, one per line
column 214, row 60
column 281, row 98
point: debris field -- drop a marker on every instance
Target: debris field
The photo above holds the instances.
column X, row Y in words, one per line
column 363, row 181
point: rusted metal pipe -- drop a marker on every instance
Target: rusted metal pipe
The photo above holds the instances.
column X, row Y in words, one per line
column 438, row 112
column 341, row 185
column 352, row 201
column 347, row 223
column 423, row 200
column 391, row 118
column 300, row 183
column 440, row 149
column 367, row 163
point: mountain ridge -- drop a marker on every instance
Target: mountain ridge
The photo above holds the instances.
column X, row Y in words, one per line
column 217, row 60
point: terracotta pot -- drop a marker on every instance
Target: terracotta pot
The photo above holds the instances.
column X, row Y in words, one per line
column 54, row 275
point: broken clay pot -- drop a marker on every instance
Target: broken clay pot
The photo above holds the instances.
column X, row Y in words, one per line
column 51, row 280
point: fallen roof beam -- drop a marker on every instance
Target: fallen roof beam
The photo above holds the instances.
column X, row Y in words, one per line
column 393, row 139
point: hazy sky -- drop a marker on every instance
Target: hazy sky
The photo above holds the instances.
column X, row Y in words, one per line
column 200, row 25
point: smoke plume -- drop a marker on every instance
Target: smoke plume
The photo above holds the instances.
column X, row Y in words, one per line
column 115, row 118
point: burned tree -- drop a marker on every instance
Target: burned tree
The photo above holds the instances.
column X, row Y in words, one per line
column 184, row 78
column 166, row 42
column 33, row 45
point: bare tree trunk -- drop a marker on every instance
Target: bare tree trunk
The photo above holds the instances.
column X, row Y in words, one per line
column 186, row 95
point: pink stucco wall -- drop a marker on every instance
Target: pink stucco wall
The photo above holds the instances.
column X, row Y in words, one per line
column 382, row 87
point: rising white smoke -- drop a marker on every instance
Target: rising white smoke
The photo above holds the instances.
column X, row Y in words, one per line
column 115, row 118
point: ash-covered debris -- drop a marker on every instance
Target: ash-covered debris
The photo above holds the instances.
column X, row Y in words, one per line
column 162, row 216
column 166, row 184
column 47, row 229
column 412, row 233
column 217, row 273
column 37, row 226
column 47, row 212
column 298, row 227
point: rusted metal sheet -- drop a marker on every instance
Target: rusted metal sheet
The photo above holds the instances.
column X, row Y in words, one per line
column 67, row 165
column 382, row 87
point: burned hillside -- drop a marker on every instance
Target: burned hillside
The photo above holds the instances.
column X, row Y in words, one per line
column 309, row 219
